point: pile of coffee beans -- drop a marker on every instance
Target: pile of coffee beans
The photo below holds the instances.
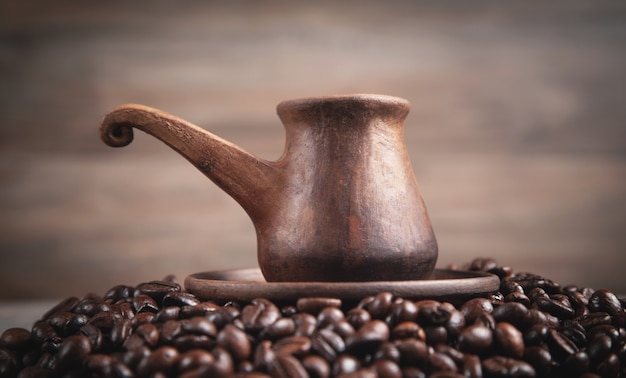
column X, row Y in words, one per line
column 532, row 327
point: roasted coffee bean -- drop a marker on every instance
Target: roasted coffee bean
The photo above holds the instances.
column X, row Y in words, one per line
column 594, row 319
column 51, row 345
column 264, row 355
column 60, row 322
column 576, row 363
column 149, row 333
column 43, row 331
column 499, row 366
column 471, row 367
column 47, row 361
column 345, row 364
column 235, row 341
column 360, row 373
column 98, row 364
column 436, row 334
column 156, row 289
column 495, row 298
column 76, row 323
column 105, row 320
column 16, row 339
column 120, row 331
column 606, row 301
column 187, row 342
column 511, row 312
column 119, row 292
column 433, row 313
column 162, row 360
column 475, row 339
column 179, row 299
column 534, row 316
column 536, row 334
column 365, row 301
column 294, row 345
column 380, row 305
column 200, row 309
column 575, row 332
column 316, row 304
column 90, row 306
column 8, row 363
column 536, row 293
column 357, row 317
column 132, row 357
column 609, row 367
column 607, row 330
column 199, row 325
column 510, row 286
column 283, row 327
column 288, row 311
column 31, row 356
column 134, row 342
column 169, row 330
column 599, row 348
column 475, row 307
column 316, row 366
column 167, row 313
column 533, row 281
column 121, row 370
column 556, row 308
column 560, row 345
column 145, row 303
column 72, row 352
column 501, row 271
column 387, row 369
column 200, row 372
column 66, row 305
column 194, row 358
column 329, row 316
column 343, row 329
column 245, row 367
column 286, row 366
column 220, row 317
column 142, row 318
column 407, row 330
column 368, row 338
column 305, row 324
column 327, row 344
column 518, row 297
column 455, row 323
column 94, row 335
column 483, row 264
column 388, row 351
column 456, row 355
column 35, row 372
column 412, row 352
column 509, row 340
column 440, row 362
column 412, row 372
column 259, row 314
column 401, row 311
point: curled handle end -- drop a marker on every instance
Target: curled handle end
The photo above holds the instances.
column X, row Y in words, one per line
column 116, row 129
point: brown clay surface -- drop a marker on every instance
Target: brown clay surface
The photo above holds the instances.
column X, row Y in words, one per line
column 517, row 131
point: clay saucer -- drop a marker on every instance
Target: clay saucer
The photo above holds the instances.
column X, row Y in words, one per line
column 248, row 284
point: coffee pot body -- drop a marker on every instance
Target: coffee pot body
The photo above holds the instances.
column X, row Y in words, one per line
column 341, row 203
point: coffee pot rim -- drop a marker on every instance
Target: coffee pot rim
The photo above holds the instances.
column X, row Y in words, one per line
column 354, row 97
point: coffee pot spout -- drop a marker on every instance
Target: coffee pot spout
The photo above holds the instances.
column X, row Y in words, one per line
column 251, row 181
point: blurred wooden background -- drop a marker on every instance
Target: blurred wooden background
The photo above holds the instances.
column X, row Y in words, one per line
column 517, row 132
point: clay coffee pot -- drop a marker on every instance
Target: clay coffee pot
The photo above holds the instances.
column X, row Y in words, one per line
column 341, row 204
